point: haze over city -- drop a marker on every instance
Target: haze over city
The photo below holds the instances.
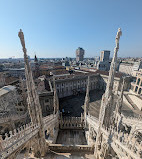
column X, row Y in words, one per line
column 56, row 28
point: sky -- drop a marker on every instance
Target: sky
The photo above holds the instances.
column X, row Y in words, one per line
column 56, row 28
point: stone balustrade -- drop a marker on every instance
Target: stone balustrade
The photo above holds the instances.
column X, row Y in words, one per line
column 123, row 144
column 129, row 146
column 93, row 118
column 135, row 116
column 47, row 118
column 132, row 121
column 70, row 148
column 138, row 119
column 50, row 120
column 15, row 139
column 16, row 134
column 93, row 122
column 20, row 136
column 71, row 123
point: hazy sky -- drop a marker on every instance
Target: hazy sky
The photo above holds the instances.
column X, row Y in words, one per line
column 55, row 28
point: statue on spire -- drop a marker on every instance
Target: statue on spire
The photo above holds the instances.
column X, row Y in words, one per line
column 21, row 36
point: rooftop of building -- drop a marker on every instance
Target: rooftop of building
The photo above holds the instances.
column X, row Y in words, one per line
column 43, row 85
column 95, row 71
column 16, row 69
column 47, row 67
column 117, row 74
column 105, row 51
column 80, row 48
column 6, row 89
column 64, row 74
column 9, row 80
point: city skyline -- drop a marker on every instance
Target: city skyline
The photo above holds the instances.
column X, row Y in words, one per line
column 69, row 108
column 56, row 29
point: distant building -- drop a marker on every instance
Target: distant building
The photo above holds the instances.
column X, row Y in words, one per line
column 137, row 86
column 130, row 68
column 104, row 64
column 104, row 56
column 2, row 80
column 8, row 99
column 137, row 65
column 126, row 68
column 65, row 63
column 17, row 72
column 69, row 84
column 80, row 54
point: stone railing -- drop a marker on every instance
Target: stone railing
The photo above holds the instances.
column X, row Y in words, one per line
column 17, row 138
column 132, row 121
column 70, row 148
column 134, row 118
column 47, row 118
column 93, row 118
column 93, row 121
column 71, row 123
column 20, row 136
column 50, row 120
column 124, row 145
column 12, row 117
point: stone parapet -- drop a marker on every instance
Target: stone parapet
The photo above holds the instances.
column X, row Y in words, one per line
column 14, row 140
column 71, row 123
column 124, row 144
column 17, row 138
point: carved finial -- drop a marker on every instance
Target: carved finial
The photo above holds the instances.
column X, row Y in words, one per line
column 6, row 136
column 14, row 132
column 119, row 33
column 21, row 36
column 10, row 132
column 36, row 60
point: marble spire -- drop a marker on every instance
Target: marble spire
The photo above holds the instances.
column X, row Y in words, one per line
column 33, row 101
column 112, row 70
column 56, row 100
column 107, row 102
column 87, row 99
column 120, row 99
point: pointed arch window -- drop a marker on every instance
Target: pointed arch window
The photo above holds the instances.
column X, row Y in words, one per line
column 138, row 81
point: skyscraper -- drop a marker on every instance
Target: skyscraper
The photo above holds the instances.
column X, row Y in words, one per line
column 79, row 54
column 104, row 56
column 104, row 64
